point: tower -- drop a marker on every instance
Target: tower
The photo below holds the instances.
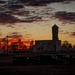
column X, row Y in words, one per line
column 56, row 41
column 55, row 33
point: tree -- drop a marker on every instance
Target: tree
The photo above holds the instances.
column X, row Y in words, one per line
column 20, row 44
column 74, row 47
column 24, row 47
column 14, row 46
column 67, row 46
column 31, row 44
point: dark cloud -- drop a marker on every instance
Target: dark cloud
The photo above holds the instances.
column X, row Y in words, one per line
column 61, row 31
column 31, row 19
column 72, row 34
column 27, row 20
column 65, row 17
column 14, row 33
column 22, row 13
column 39, row 2
column 28, row 34
column 43, row 2
column 14, row 7
column 16, row 36
column 67, row 1
column 13, row 17
column 10, row 25
column 7, row 18
column 14, row 4
column 2, row 2
column 64, row 32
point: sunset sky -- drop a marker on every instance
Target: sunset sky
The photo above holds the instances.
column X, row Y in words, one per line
column 35, row 19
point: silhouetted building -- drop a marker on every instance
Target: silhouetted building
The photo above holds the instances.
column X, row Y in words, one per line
column 55, row 33
column 49, row 45
column 55, row 39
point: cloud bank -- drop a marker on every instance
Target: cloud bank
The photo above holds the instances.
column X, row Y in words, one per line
column 66, row 17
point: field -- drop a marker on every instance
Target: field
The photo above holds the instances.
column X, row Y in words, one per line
column 8, row 68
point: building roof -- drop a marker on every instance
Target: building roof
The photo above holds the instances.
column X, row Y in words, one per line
column 54, row 26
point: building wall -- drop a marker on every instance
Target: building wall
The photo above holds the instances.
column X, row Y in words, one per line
column 57, row 45
column 47, row 46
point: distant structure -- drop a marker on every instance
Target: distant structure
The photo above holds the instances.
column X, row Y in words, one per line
column 55, row 33
column 49, row 45
column 55, row 39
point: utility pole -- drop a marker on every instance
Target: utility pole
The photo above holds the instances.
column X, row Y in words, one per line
column 7, row 44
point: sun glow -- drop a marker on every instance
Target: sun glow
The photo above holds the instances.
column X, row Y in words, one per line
column 14, row 44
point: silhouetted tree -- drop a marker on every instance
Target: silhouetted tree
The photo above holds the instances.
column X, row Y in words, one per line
column 31, row 45
column 24, row 47
column 20, row 44
column 0, row 45
column 74, row 47
column 3, row 47
column 67, row 46
column 70, row 47
column 14, row 46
